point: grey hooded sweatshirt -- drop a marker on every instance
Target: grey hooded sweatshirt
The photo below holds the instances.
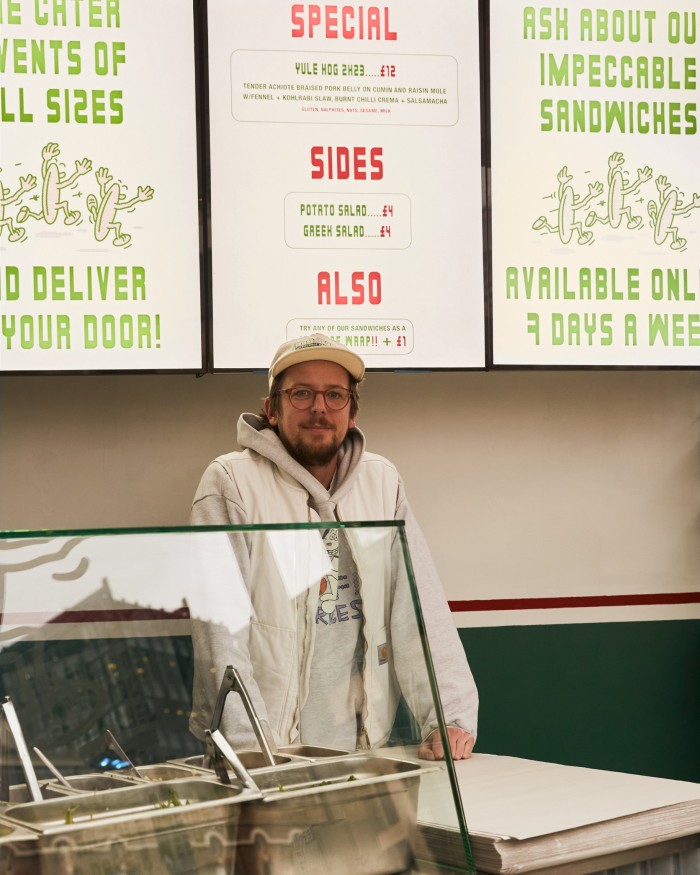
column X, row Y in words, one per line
column 337, row 641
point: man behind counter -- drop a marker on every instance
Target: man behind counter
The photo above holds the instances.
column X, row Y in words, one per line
column 304, row 460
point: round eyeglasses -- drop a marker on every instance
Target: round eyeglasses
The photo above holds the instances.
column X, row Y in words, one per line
column 303, row 398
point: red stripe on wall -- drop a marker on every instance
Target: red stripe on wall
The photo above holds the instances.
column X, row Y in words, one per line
column 583, row 601
column 35, row 618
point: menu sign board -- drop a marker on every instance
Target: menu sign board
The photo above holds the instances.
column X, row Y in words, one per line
column 596, row 183
column 345, row 179
column 99, row 224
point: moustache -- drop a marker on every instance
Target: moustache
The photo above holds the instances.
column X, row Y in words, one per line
column 320, row 420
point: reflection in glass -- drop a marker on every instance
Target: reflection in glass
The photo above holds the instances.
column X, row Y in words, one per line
column 133, row 632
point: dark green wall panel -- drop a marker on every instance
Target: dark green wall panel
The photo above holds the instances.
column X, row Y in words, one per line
column 618, row 696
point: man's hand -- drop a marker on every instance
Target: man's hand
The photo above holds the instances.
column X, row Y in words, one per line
column 461, row 744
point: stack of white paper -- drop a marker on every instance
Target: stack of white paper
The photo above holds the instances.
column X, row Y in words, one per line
column 523, row 815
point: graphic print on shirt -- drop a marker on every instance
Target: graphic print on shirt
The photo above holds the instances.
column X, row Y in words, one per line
column 339, row 598
column 328, row 594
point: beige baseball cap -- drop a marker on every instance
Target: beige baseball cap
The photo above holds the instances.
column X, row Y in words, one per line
column 315, row 347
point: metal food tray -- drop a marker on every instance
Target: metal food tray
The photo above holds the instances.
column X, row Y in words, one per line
column 17, row 849
column 255, row 760
column 91, row 783
column 10, row 832
column 343, row 815
column 163, row 772
column 157, row 827
column 19, row 793
column 312, row 751
column 251, row 760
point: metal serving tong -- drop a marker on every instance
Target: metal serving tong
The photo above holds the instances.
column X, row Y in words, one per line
column 22, row 750
column 114, row 745
column 220, row 752
column 232, row 683
column 52, row 768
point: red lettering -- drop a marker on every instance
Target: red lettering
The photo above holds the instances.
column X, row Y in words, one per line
column 375, row 160
column 339, row 299
column 340, row 162
column 323, row 282
column 343, row 162
column 388, row 33
column 358, row 286
column 298, row 19
column 329, row 288
column 356, row 22
column 358, row 154
column 375, row 287
column 348, row 14
column 317, row 162
column 314, row 18
column 331, row 22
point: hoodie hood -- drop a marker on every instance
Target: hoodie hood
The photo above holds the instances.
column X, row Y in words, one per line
column 265, row 441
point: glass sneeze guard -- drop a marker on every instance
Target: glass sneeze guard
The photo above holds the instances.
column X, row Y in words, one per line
column 133, row 661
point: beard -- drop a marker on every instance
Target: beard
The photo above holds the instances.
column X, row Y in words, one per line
column 309, row 454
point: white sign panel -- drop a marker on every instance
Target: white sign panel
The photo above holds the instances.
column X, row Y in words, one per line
column 596, row 183
column 345, row 179
column 99, row 239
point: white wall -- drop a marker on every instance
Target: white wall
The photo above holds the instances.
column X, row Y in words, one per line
column 525, row 482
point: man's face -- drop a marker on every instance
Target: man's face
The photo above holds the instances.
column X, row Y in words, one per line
column 312, row 437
